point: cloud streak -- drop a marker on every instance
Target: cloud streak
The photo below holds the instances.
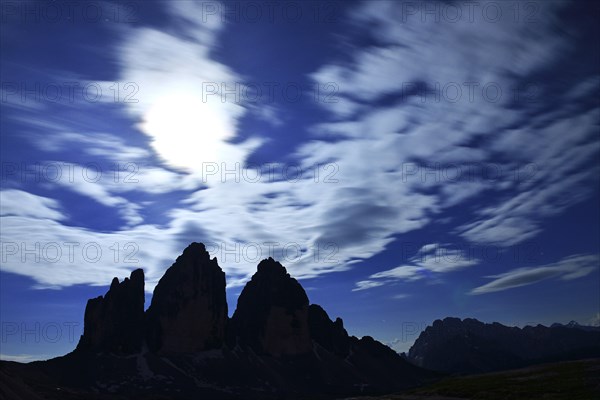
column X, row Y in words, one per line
column 569, row 268
column 430, row 261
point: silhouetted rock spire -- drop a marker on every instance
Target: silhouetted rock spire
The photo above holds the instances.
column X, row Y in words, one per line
column 188, row 312
column 331, row 335
column 114, row 323
column 272, row 313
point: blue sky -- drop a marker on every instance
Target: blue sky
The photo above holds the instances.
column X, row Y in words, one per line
column 405, row 161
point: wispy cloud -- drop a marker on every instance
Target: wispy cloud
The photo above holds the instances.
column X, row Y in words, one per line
column 24, row 358
column 405, row 272
column 544, row 162
column 19, row 203
column 363, row 285
column 430, row 261
column 83, row 181
column 95, row 144
column 569, row 268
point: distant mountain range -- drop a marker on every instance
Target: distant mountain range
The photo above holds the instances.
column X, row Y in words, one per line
column 575, row 325
column 184, row 346
column 470, row 346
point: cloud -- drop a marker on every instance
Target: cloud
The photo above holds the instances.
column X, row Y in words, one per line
column 431, row 259
column 443, row 258
column 425, row 40
column 19, row 203
column 556, row 176
column 84, row 181
column 363, row 285
column 405, row 272
column 58, row 255
column 24, row 358
column 268, row 113
column 569, row 268
column 115, row 166
column 546, row 172
column 103, row 145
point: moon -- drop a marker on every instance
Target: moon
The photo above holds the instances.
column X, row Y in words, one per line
column 186, row 130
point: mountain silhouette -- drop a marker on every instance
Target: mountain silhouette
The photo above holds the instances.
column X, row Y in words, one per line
column 453, row 345
column 272, row 313
column 115, row 323
column 184, row 346
column 188, row 312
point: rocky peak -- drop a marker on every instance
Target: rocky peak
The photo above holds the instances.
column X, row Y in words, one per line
column 114, row 323
column 188, row 312
column 331, row 335
column 272, row 313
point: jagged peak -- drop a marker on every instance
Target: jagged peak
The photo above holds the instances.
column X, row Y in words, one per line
column 188, row 311
column 271, row 270
column 271, row 265
column 137, row 275
column 195, row 250
column 195, row 247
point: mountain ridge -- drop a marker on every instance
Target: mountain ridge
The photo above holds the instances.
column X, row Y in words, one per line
column 464, row 346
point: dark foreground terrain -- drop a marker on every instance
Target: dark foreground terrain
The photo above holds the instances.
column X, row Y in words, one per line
column 570, row 380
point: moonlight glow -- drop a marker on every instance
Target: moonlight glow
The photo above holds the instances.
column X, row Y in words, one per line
column 187, row 131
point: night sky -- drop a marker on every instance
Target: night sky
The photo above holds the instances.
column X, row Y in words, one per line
column 405, row 161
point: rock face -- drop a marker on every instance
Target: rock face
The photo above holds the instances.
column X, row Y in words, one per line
column 331, row 335
column 468, row 346
column 188, row 312
column 114, row 323
column 272, row 313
